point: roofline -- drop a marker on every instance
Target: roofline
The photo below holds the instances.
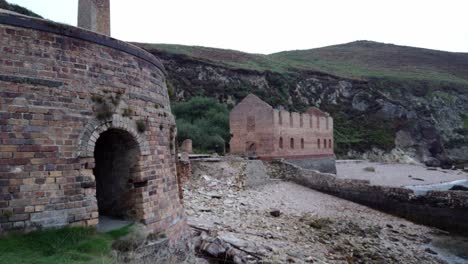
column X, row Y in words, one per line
column 17, row 20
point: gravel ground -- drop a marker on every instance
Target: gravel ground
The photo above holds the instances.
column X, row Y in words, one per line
column 284, row 222
column 390, row 174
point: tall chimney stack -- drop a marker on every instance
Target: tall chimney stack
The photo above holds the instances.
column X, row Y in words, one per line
column 94, row 15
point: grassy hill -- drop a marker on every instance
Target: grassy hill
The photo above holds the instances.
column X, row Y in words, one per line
column 18, row 9
column 358, row 60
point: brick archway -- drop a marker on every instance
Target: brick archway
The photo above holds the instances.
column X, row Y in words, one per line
column 117, row 164
column 95, row 128
column 129, row 185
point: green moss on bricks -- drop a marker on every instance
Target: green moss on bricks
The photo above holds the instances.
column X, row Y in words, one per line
column 141, row 126
column 97, row 99
column 104, row 112
column 465, row 121
column 115, row 100
column 170, row 90
column 127, row 112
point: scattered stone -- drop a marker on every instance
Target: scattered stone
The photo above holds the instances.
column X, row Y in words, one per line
column 417, row 179
column 206, row 178
column 215, row 248
column 432, row 162
column 258, row 232
column 458, row 188
column 275, row 213
column 446, row 166
column 430, row 251
column 213, row 195
column 369, row 169
column 233, row 240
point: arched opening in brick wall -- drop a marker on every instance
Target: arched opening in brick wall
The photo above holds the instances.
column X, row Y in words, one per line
column 291, row 143
column 318, row 143
column 329, row 143
column 302, row 143
column 116, row 156
column 251, row 149
column 281, row 142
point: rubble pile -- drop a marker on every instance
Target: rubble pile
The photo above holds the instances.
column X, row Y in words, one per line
column 282, row 222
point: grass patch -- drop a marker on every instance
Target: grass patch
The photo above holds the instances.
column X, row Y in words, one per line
column 359, row 60
column 67, row 245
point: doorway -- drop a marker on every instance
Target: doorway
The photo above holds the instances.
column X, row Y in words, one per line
column 116, row 156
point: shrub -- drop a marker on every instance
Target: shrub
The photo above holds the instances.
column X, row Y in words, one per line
column 205, row 121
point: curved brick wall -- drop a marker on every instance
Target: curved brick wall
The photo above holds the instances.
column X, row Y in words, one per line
column 61, row 87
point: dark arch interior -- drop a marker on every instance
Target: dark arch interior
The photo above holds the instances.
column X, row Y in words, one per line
column 116, row 156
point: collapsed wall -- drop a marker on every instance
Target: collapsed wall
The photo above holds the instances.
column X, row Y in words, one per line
column 443, row 209
column 86, row 130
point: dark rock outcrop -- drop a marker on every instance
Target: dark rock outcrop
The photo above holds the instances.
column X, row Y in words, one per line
column 424, row 121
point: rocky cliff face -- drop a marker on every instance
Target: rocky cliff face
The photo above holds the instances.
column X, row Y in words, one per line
column 376, row 118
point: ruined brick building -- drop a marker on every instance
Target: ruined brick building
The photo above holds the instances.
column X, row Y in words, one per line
column 303, row 138
column 85, row 127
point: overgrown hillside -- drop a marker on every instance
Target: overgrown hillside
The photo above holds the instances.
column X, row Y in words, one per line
column 359, row 60
column 18, row 9
column 382, row 96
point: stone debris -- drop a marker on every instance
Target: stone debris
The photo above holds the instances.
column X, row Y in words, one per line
column 282, row 222
column 369, row 169
column 275, row 213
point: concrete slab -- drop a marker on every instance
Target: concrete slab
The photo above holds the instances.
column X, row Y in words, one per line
column 256, row 173
column 107, row 224
column 397, row 175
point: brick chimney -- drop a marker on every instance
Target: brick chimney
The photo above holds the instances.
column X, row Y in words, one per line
column 94, row 15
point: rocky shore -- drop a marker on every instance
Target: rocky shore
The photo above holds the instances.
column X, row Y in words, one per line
column 281, row 222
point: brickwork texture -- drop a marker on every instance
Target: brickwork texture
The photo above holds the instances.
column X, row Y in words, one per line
column 259, row 130
column 68, row 96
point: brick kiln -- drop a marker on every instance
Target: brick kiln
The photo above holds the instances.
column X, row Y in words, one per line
column 86, row 130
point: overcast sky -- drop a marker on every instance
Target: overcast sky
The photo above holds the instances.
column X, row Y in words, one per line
column 267, row 26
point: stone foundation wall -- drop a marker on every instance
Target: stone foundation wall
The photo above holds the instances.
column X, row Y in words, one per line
column 443, row 209
column 184, row 173
column 325, row 165
column 61, row 88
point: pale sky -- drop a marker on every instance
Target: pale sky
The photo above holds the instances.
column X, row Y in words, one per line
column 267, row 26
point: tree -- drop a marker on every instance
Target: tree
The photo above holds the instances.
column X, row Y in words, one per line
column 203, row 120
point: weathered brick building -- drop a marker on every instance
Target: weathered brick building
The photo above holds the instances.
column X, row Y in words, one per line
column 85, row 130
column 304, row 138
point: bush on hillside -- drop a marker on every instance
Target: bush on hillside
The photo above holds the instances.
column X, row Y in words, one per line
column 203, row 120
column 18, row 9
